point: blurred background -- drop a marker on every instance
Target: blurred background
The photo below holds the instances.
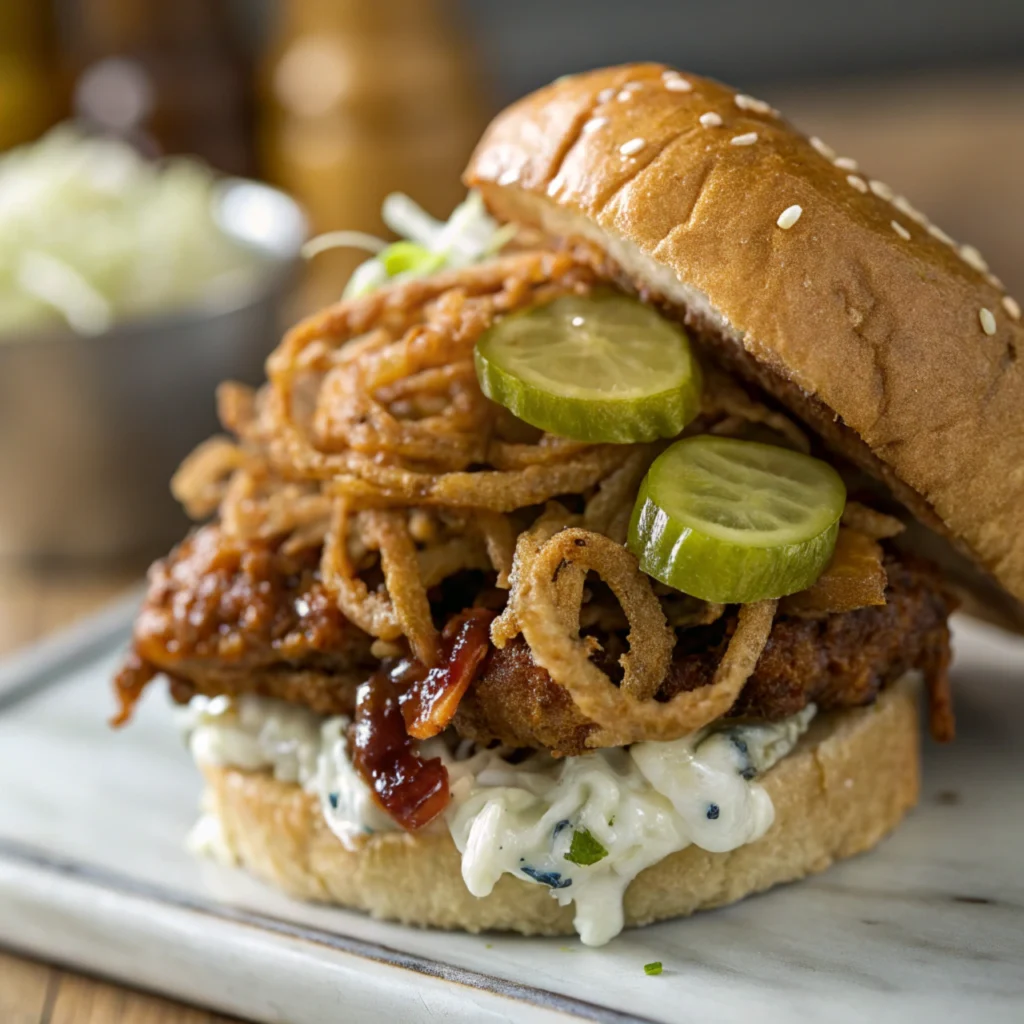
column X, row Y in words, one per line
column 161, row 162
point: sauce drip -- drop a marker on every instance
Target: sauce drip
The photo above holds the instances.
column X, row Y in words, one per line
column 410, row 701
column 411, row 790
column 130, row 681
column 433, row 698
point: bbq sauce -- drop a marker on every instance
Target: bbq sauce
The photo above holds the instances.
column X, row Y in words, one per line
column 411, row 790
column 135, row 675
column 431, row 702
column 407, row 697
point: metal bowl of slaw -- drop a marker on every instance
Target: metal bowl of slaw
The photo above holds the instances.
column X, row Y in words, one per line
column 92, row 428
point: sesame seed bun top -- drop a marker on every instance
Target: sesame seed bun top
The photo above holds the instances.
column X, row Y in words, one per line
column 801, row 273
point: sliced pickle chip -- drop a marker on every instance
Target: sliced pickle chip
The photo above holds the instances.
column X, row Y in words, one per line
column 734, row 521
column 595, row 368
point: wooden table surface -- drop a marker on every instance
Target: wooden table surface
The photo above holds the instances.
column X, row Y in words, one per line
column 32, row 605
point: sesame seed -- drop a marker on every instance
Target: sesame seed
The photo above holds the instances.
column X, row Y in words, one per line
column 936, row 232
column 973, row 258
column 509, row 177
column 745, row 102
column 556, row 184
column 903, row 204
column 624, row 95
column 605, row 95
column 823, row 148
column 845, row 163
column 789, row 216
column 995, row 281
column 900, row 230
column 881, row 189
column 988, row 321
column 858, row 183
column 711, row 120
column 1012, row 306
column 594, row 124
column 744, row 140
column 631, row 147
column 675, row 81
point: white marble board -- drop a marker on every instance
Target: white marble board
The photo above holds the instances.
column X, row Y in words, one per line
column 93, row 873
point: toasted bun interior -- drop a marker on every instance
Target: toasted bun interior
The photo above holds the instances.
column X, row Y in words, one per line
column 897, row 347
column 848, row 782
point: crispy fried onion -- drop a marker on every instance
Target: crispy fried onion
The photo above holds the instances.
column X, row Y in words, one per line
column 611, row 506
column 876, row 525
column 402, row 609
column 373, row 444
column 854, row 578
column 627, row 713
column 554, row 518
column 202, row 479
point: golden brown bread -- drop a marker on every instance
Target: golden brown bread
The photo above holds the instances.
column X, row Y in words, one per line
column 898, row 348
column 849, row 782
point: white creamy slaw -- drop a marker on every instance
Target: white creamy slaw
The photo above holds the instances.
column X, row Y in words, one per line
column 584, row 826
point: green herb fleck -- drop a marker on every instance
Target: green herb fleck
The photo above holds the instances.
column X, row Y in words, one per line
column 585, row 849
column 488, row 945
column 654, row 968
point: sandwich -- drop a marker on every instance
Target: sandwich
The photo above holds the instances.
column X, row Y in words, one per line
column 588, row 563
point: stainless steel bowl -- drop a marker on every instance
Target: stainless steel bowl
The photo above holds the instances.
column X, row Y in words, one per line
column 91, row 429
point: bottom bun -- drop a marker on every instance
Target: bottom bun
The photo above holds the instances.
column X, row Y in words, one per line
column 849, row 781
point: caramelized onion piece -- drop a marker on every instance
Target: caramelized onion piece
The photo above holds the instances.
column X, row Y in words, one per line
column 855, row 578
column 431, row 701
column 408, row 788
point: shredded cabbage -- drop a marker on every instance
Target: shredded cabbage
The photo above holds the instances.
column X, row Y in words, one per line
column 469, row 235
column 92, row 233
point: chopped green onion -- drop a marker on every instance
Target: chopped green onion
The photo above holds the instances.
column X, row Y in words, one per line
column 653, row 968
column 585, row 849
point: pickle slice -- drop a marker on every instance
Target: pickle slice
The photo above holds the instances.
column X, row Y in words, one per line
column 597, row 368
column 736, row 521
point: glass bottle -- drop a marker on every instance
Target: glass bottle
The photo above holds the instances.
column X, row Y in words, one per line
column 167, row 75
column 31, row 88
column 360, row 99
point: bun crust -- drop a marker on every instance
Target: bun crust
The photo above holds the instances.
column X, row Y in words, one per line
column 859, row 316
column 849, row 781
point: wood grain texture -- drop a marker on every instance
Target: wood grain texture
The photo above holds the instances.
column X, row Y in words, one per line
column 32, row 605
column 26, row 990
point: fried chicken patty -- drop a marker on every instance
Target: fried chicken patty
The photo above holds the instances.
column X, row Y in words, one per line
column 226, row 618
column 837, row 661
